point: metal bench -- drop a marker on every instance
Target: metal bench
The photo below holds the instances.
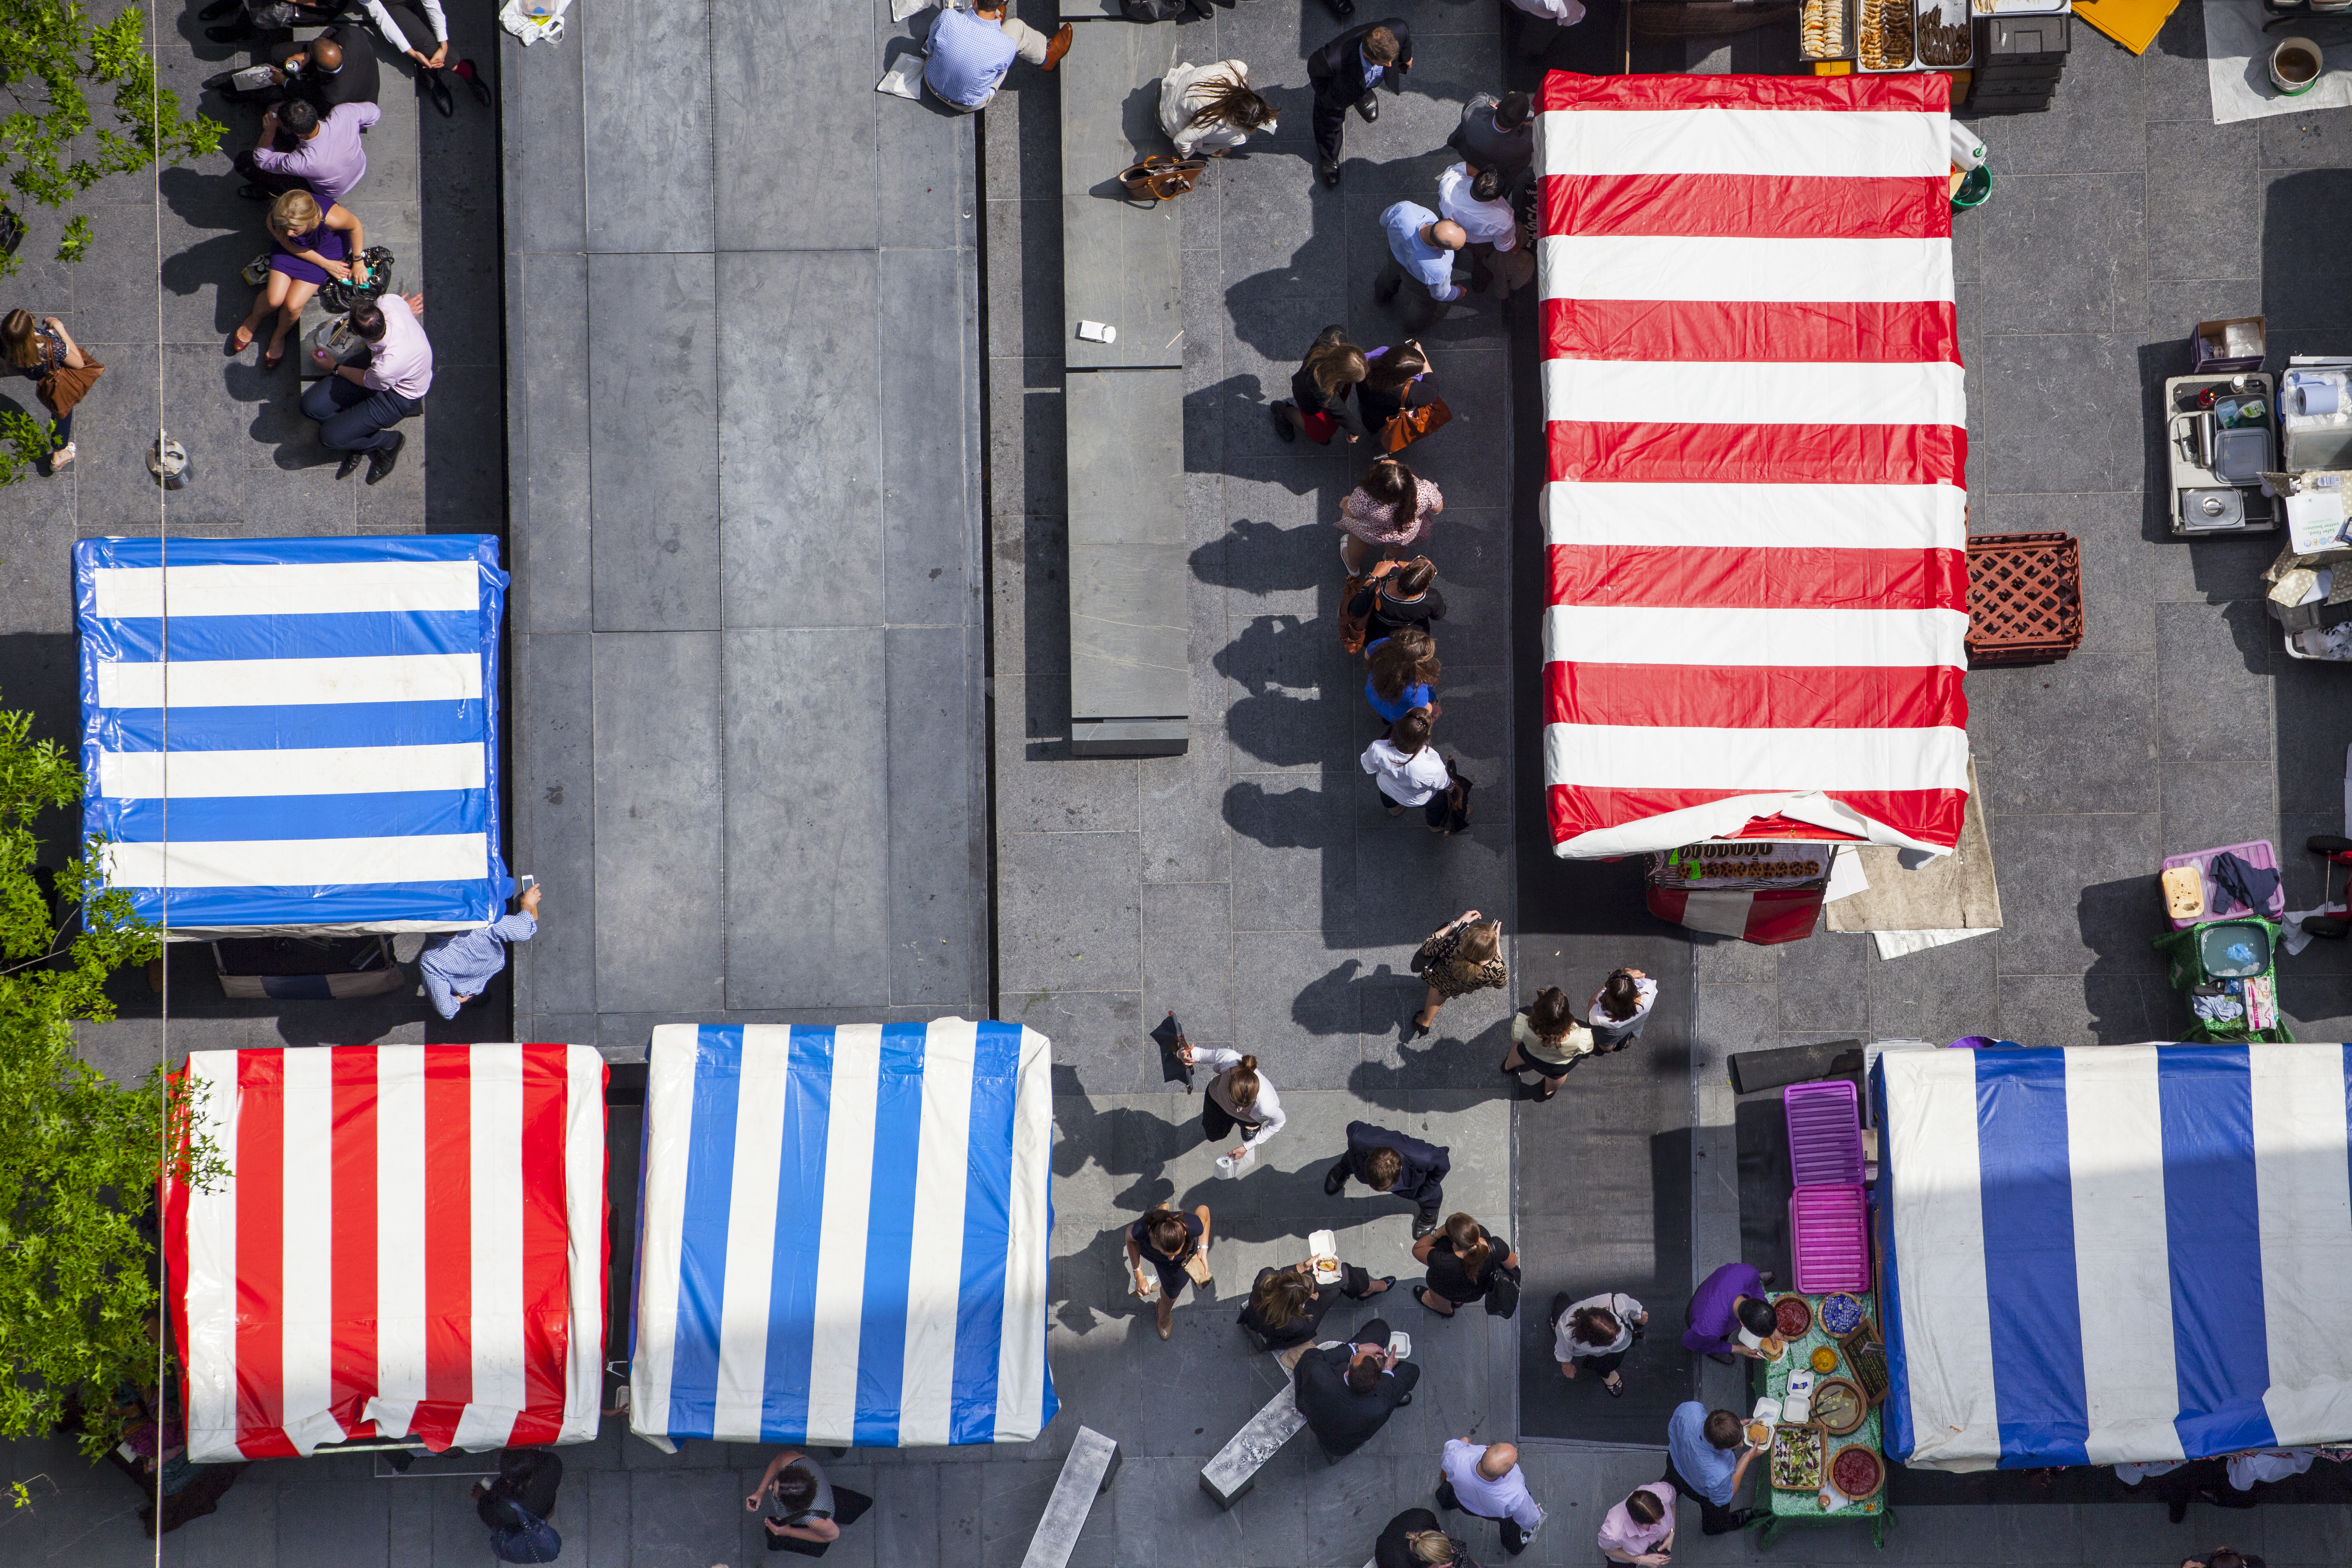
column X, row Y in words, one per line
column 1131, row 692
column 1086, row 1474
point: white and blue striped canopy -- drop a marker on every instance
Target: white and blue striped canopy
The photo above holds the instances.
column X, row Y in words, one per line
column 2119, row 1253
column 843, row 1235
column 320, row 750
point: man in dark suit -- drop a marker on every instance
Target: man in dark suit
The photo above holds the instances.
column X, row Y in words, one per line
column 1345, row 71
column 1347, row 1392
column 1389, row 1162
column 337, row 66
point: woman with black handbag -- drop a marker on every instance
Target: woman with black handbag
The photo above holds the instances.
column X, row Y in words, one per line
column 1466, row 1262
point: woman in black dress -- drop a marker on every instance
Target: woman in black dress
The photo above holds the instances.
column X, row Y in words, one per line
column 1158, row 1246
column 1464, row 1259
column 1414, row 1540
column 1285, row 1306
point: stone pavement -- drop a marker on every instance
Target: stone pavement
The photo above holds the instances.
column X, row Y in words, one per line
column 746, row 627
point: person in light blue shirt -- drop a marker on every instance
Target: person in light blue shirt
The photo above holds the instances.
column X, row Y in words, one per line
column 458, row 965
column 1700, row 1445
column 969, row 51
column 1422, row 245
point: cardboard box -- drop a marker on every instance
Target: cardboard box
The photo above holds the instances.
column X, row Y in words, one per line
column 2210, row 346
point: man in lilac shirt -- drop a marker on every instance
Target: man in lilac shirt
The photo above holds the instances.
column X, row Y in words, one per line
column 458, row 966
column 1727, row 1301
column 355, row 405
column 327, row 159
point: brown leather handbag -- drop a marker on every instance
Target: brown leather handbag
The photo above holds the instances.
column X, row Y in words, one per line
column 1409, row 425
column 61, row 389
column 1160, row 178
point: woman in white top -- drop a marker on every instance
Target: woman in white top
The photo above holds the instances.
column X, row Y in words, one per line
column 1545, row 1036
column 1237, row 1097
column 1598, row 1330
column 1620, row 1008
column 1408, row 770
column 1209, row 110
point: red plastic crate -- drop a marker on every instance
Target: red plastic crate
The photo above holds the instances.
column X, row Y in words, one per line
column 2025, row 598
column 1829, row 1233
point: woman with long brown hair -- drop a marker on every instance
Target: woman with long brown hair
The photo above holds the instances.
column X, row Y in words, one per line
column 1209, row 110
column 1464, row 1259
column 1545, row 1036
column 39, row 349
column 1464, row 956
column 1159, row 1246
column 1620, row 1008
column 1390, row 508
column 1285, row 1306
column 1322, row 392
column 309, row 245
column 1390, row 374
column 1401, row 670
column 1239, row 1097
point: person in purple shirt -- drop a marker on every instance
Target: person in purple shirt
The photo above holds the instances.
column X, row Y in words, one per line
column 1727, row 1300
column 326, row 157
column 356, row 404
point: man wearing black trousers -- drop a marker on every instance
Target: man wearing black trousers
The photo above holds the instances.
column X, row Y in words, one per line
column 1395, row 1163
column 1345, row 71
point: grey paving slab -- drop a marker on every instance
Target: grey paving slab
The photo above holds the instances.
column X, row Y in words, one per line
column 2078, row 735
column 550, row 435
column 659, row 772
column 938, row 819
column 653, row 390
column 775, row 172
column 647, row 125
column 1119, row 256
column 931, row 383
column 555, row 802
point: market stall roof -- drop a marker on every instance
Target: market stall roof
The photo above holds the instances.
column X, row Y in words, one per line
column 844, row 1235
column 1756, row 506
column 2116, row 1253
column 410, row 1242
column 323, row 749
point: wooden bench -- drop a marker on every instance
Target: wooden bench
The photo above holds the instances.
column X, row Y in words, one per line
column 1086, row 1474
column 1235, row 1469
column 1130, row 691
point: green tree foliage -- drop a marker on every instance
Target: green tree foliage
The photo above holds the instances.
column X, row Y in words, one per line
column 77, row 1151
column 52, row 58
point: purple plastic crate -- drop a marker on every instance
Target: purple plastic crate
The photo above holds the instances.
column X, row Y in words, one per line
column 1828, row 1232
column 1825, row 1132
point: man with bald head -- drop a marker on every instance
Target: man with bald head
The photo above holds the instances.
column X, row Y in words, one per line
column 1484, row 1479
column 1422, row 246
column 337, row 66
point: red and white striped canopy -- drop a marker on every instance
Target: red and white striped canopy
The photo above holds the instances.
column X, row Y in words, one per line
column 1756, row 502
column 411, row 1242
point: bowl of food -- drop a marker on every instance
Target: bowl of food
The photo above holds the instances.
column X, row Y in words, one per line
column 1841, row 1313
column 1838, row 1405
column 1824, row 1359
column 1793, row 1315
column 1856, row 1472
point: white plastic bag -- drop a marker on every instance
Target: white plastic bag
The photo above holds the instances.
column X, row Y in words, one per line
column 1230, row 1168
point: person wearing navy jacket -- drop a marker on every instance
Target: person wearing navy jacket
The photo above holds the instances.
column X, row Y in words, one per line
column 1391, row 1161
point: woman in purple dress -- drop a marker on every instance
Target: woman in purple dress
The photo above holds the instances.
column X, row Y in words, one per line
column 309, row 247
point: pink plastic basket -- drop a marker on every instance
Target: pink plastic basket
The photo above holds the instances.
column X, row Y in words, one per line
column 2258, row 853
column 1828, row 1232
column 1824, row 1134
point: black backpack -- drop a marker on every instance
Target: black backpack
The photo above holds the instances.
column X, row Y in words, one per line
column 525, row 1537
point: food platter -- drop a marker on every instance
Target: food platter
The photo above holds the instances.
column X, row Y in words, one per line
column 1826, row 29
column 1795, row 1315
column 1944, row 36
column 1840, row 1314
column 1856, row 1472
column 1798, row 1457
column 1884, row 37
column 1838, row 1405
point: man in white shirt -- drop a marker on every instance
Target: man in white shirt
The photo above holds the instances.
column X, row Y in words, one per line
column 1544, row 20
column 355, row 405
column 1475, row 201
column 1484, row 1479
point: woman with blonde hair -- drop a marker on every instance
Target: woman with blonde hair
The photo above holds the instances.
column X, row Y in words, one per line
column 1238, row 1098
column 1322, row 391
column 39, row 349
column 309, row 245
column 1209, row 110
column 1464, row 1259
column 1457, row 958
column 1414, row 1540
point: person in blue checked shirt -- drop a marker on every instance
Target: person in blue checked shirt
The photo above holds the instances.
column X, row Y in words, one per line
column 1422, row 245
column 458, row 965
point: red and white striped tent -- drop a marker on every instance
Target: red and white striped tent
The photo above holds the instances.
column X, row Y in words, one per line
column 411, row 1243
column 1756, row 431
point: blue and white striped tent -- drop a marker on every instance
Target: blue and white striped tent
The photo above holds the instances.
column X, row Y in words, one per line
column 2119, row 1253
column 843, row 1235
column 322, row 741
